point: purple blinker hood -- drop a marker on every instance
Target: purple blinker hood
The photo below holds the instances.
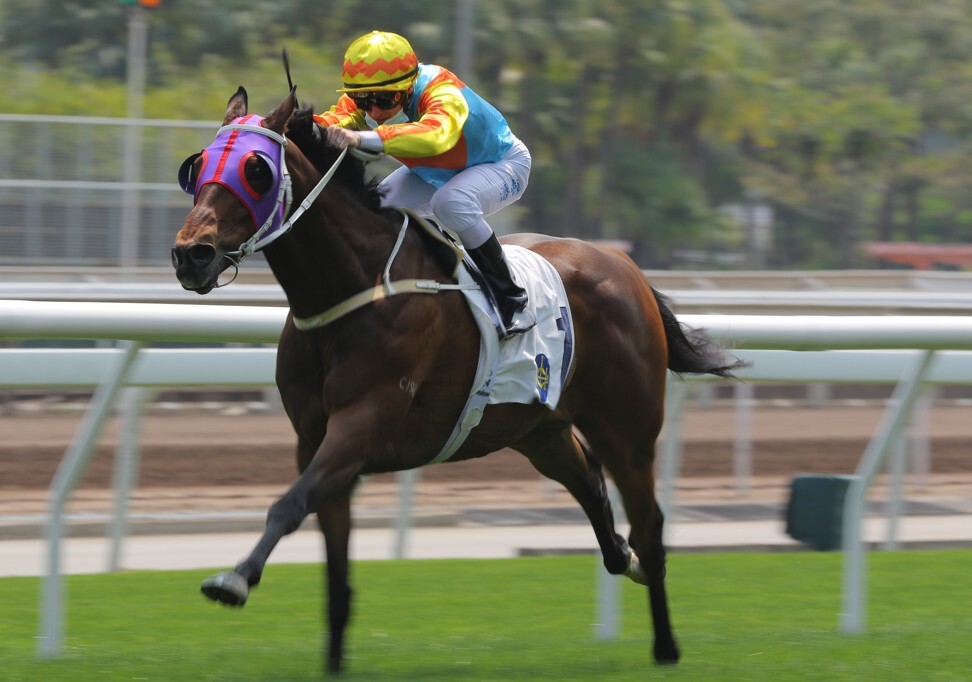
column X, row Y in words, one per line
column 223, row 163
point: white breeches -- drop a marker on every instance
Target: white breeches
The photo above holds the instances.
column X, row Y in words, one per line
column 464, row 200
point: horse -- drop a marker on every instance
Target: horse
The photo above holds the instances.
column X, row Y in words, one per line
column 378, row 385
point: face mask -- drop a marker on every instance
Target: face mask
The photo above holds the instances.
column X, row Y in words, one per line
column 400, row 117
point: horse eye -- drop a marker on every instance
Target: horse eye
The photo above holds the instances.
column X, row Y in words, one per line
column 258, row 174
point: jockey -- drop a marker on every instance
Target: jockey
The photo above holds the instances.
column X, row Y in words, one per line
column 460, row 160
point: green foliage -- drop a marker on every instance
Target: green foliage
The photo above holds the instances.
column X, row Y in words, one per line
column 657, row 202
column 870, row 101
column 853, row 120
column 54, row 34
column 31, row 90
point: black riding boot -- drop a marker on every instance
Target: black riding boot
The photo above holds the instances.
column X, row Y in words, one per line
column 511, row 299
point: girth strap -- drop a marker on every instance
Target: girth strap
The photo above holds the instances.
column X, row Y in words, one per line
column 376, row 293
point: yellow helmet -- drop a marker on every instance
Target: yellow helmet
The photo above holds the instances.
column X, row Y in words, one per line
column 379, row 61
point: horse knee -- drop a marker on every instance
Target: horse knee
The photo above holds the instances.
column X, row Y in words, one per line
column 652, row 555
column 658, row 523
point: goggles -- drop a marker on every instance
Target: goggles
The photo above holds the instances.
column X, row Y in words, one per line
column 382, row 100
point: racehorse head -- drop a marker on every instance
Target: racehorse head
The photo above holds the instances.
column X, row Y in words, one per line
column 241, row 191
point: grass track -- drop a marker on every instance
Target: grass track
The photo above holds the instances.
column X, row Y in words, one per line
column 737, row 616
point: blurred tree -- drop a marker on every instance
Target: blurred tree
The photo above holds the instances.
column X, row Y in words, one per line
column 52, row 34
column 608, row 93
column 853, row 120
column 680, row 87
column 868, row 118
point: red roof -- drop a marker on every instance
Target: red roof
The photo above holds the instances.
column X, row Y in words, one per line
column 921, row 256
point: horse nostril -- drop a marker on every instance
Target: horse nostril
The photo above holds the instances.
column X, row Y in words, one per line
column 176, row 254
column 201, row 255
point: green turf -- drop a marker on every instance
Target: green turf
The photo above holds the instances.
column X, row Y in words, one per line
column 737, row 616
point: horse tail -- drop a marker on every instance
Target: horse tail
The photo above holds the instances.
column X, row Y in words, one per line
column 691, row 351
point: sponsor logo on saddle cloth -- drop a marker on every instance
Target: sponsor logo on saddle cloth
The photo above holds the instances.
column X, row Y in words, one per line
column 525, row 368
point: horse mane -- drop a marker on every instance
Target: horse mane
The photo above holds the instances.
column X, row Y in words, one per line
column 307, row 135
column 304, row 132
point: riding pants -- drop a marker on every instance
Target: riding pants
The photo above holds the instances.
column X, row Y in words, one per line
column 462, row 203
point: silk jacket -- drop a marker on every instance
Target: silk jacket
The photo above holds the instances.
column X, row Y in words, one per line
column 449, row 128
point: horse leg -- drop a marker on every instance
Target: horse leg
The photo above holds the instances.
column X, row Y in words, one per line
column 560, row 456
column 334, row 518
column 317, row 484
column 647, row 523
column 232, row 588
column 333, row 510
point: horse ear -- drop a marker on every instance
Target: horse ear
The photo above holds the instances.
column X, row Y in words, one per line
column 236, row 106
column 278, row 118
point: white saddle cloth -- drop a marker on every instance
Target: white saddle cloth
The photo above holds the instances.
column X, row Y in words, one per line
column 525, row 368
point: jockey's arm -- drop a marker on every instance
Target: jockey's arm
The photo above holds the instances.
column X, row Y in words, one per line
column 443, row 112
column 340, row 120
column 344, row 113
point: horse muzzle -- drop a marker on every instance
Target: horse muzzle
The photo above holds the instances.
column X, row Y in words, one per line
column 196, row 266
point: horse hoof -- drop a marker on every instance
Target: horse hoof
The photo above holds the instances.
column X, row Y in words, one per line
column 226, row 588
column 634, row 570
column 667, row 653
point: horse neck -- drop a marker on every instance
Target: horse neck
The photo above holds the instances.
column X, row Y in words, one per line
column 338, row 248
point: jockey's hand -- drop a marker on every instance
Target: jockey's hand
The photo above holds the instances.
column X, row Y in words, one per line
column 342, row 138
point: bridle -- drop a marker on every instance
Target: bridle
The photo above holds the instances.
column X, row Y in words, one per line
column 266, row 234
column 260, row 238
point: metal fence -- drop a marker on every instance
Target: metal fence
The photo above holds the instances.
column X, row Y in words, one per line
column 84, row 191
column 139, row 324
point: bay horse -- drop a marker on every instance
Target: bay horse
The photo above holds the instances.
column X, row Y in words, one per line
column 380, row 388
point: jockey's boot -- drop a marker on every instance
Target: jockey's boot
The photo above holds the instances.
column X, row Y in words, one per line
column 511, row 299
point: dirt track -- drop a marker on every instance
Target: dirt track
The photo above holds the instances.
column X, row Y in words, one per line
column 213, row 448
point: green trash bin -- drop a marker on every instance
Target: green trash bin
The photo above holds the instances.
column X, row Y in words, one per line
column 815, row 513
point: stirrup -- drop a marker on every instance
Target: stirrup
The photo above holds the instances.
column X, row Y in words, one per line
column 521, row 322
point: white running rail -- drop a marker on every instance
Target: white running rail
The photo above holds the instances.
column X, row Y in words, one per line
column 137, row 324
